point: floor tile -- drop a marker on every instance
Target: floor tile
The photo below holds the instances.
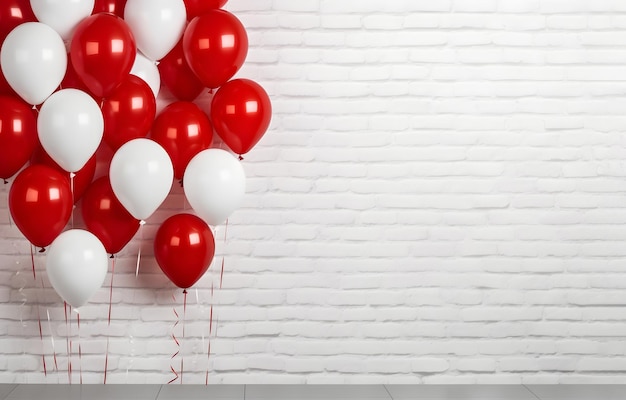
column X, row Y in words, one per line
column 579, row 392
column 193, row 392
column 311, row 392
column 5, row 389
column 136, row 392
column 491, row 392
column 46, row 391
column 79, row 392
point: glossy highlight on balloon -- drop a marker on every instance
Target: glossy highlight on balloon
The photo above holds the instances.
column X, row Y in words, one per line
column 183, row 130
column 241, row 112
column 106, row 218
column 40, row 201
column 215, row 46
column 82, row 178
column 184, row 248
column 18, row 135
column 128, row 112
column 102, row 52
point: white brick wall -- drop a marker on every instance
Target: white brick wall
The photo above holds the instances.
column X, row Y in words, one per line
column 441, row 198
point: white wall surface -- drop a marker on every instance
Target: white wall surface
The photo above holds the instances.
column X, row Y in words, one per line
column 441, row 198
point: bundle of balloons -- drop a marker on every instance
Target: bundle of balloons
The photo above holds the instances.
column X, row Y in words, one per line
column 80, row 74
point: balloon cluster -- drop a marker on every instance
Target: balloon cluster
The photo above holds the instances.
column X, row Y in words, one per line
column 77, row 75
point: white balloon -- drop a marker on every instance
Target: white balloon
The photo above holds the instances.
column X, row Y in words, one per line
column 141, row 176
column 62, row 15
column 156, row 24
column 214, row 184
column 33, row 60
column 70, row 127
column 76, row 264
column 148, row 71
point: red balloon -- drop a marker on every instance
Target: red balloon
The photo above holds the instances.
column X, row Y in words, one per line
column 102, row 52
column 128, row 112
column 12, row 14
column 71, row 80
column 183, row 130
column 82, row 178
column 177, row 76
column 184, row 248
column 18, row 135
column 215, row 46
column 40, row 201
column 106, row 218
column 110, row 6
column 241, row 112
column 199, row 7
column 5, row 88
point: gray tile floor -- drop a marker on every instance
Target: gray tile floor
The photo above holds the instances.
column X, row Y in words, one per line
column 313, row 392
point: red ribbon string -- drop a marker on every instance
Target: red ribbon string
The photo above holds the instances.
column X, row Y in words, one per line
column 175, row 340
column 208, row 357
column 111, row 289
column 106, row 362
column 80, row 352
column 32, row 260
column 106, row 357
column 43, row 355
column 182, row 357
column 222, row 271
column 68, row 344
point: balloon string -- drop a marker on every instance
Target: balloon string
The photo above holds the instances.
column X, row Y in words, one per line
column 80, row 351
column 68, row 346
column 222, row 271
column 211, row 314
column 212, row 303
column 72, row 175
column 208, row 356
column 175, row 339
column 106, row 362
column 182, row 356
column 32, row 260
column 206, row 379
column 106, row 357
column 56, row 365
column 43, row 353
column 111, row 289
column 141, row 224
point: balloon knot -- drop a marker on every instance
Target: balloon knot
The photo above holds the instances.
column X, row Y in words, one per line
column 181, row 183
column 5, row 181
column 142, row 222
column 42, row 250
column 184, row 291
column 240, row 157
column 210, row 91
column 112, row 256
